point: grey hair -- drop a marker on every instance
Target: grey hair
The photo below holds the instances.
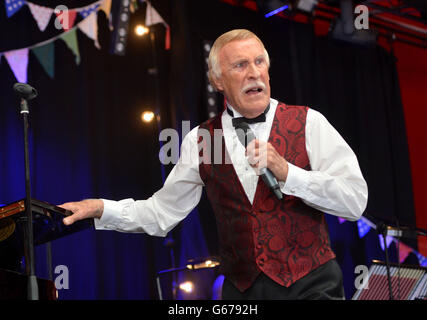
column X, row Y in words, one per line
column 221, row 41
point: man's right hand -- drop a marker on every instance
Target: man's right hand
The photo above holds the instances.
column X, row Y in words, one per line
column 90, row 208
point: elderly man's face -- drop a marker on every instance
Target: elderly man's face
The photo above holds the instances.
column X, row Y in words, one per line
column 244, row 78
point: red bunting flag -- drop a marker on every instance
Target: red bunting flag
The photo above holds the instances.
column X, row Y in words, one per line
column 65, row 18
column 404, row 251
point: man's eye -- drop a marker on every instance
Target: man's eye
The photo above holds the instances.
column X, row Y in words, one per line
column 259, row 61
column 239, row 65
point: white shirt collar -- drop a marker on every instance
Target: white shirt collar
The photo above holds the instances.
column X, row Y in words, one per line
column 273, row 105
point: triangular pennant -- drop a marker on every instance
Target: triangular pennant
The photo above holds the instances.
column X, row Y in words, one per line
column 404, row 251
column 341, row 220
column 362, row 227
column 18, row 62
column 66, row 19
column 388, row 240
column 41, row 15
column 89, row 26
column 133, row 6
column 70, row 38
column 85, row 12
column 421, row 259
column 106, row 7
column 13, row 6
column 168, row 38
column 152, row 16
column 45, row 55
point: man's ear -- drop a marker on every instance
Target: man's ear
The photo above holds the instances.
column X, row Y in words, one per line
column 218, row 84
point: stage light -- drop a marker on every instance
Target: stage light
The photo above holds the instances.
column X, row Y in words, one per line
column 187, row 286
column 306, row 5
column 205, row 264
column 141, row 30
column 213, row 98
column 121, row 25
column 147, row 116
column 272, row 13
column 269, row 8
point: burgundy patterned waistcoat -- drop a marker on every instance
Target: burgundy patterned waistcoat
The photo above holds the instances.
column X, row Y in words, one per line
column 285, row 239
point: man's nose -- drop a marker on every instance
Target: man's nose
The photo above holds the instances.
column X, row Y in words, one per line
column 253, row 71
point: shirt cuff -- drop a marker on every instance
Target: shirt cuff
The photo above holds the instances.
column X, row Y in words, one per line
column 110, row 216
column 296, row 182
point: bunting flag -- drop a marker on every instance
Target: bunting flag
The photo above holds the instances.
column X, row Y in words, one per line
column 168, row 38
column 388, row 240
column 45, row 51
column 362, row 227
column 106, row 7
column 404, row 251
column 70, row 39
column 18, row 62
column 85, row 12
column 41, row 15
column 421, row 259
column 152, row 17
column 89, row 26
column 46, row 56
column 13, row 6
column 341, row 220
column 66, row 19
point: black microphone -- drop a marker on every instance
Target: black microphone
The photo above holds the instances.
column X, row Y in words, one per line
column 246, row 135
column 25, row 91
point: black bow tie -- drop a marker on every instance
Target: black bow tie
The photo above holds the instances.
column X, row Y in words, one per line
column 237, row 121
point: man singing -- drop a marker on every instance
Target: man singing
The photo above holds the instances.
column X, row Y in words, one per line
column 271, row 247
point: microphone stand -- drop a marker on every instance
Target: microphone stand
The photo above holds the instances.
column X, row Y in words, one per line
column 169, row 241
column 32, row 286
column 398, row 232
column 382, row 229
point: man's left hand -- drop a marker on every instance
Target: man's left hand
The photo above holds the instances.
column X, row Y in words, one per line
column 262, row 154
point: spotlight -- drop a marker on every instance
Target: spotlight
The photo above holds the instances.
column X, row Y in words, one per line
column 272, row 13
column 271, row 7
column 210, row 263
column 187, row 286
column 147, row 116
column 141, row 30
column 305, row 5
column 212, row 97
column 121, row 25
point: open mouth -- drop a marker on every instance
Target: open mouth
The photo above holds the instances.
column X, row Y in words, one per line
column 254, row 90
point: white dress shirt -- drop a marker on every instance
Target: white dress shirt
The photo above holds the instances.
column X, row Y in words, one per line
column 334, row 185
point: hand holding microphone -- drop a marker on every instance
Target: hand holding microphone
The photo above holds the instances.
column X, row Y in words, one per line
column 262, row 155
column 264, row 158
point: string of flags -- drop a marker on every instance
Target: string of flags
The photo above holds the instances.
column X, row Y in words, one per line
column 152, row 17
column 65, row 19
column 365, row 225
